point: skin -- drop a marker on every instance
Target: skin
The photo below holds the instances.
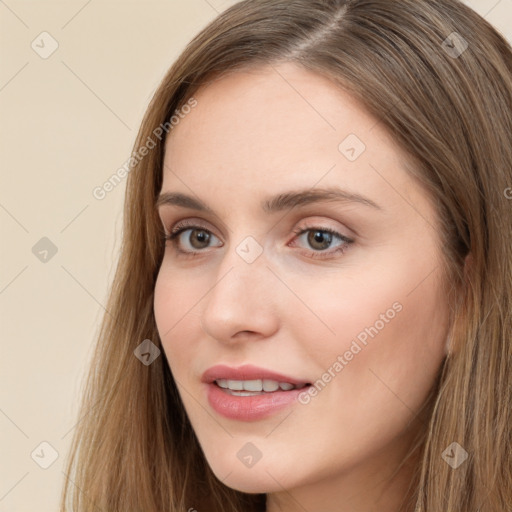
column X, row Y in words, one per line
column 253, row 135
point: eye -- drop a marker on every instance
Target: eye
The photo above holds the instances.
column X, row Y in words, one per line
column 190, row 239
column 320, row 239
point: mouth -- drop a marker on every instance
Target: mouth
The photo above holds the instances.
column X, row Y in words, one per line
column 249, row 393
column 255, row 387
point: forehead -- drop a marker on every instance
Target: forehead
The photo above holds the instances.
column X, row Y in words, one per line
column 278, row 124
column 264, row 102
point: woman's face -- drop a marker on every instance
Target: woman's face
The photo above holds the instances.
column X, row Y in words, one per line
column 306, row 256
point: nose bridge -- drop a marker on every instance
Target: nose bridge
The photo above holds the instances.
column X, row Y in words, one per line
column 241, row 298
column 243, row 273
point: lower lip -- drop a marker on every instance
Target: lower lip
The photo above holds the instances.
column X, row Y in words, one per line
column 249, row 408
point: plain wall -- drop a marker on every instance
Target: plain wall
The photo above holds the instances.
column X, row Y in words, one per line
column 67, row 123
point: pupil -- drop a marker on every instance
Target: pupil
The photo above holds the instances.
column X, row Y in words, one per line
column 320, row 237
column 202, row 237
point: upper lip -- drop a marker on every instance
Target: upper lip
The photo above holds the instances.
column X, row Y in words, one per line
column 246, row 372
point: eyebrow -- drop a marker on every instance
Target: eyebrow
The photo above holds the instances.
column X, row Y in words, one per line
column 276, row 203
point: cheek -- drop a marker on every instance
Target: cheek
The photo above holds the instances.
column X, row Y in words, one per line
column 174, row 307
column 384, row 330
column 363, row 404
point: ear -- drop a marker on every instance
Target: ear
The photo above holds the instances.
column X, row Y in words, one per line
column 468, row 269
column 468, row 265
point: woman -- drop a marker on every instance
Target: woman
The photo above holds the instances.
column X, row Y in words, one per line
column 312, row 307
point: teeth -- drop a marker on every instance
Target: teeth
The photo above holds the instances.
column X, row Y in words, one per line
column 270, row 385
column 253, row 386
column 243, row 393
column 236, row 385
column 222, row 383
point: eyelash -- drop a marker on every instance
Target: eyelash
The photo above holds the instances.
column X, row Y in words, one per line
column 184, row 226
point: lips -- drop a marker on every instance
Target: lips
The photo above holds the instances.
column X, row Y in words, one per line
column 249, row 393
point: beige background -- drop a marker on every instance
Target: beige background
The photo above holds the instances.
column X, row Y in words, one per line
column 68, row 123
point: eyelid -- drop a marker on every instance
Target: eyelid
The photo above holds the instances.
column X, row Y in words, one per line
column 190, row 224
column 327, row 254
column 168, row 214
column 309, row 225
column 312, row 226
column 180, row 228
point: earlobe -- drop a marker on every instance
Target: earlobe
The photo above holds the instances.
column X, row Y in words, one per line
column 468, row 265
column 453, row 335
column 447, row 347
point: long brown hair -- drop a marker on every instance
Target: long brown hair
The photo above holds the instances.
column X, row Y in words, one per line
column 438, row 77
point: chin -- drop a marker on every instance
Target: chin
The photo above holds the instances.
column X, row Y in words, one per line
column 255, row 480
column 249, row 485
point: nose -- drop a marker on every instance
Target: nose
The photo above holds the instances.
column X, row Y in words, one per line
column 242, row 303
